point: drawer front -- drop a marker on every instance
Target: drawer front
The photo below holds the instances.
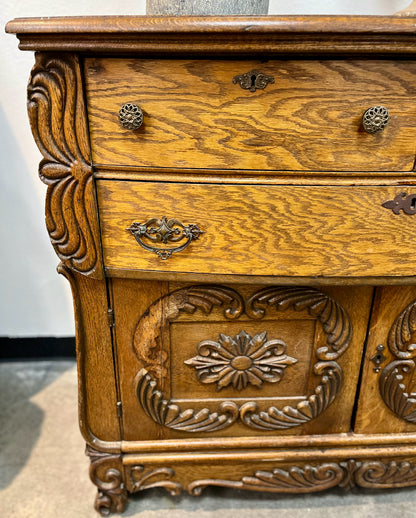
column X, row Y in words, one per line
column 259, row 229
column 195, row 116
column 229, row 361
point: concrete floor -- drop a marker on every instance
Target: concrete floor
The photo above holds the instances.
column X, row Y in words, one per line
column 44, row 473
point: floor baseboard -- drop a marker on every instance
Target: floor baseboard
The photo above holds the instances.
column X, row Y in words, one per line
column 36, row 348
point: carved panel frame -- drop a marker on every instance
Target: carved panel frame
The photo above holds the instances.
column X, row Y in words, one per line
column 332, row 316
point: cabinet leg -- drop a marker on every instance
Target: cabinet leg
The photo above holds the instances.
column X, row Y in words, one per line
column 106, row 472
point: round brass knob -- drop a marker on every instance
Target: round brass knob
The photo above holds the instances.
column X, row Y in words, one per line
column 375, row 119
column 130, row 116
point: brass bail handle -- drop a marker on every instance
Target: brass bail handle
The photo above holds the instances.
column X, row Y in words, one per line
column 156, row 232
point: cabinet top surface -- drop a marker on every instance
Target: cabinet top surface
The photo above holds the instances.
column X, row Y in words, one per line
column 225, row 35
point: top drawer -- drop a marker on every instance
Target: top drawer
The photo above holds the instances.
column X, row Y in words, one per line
column 308, row 119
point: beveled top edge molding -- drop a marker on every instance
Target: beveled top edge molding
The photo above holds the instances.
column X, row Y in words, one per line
column 216, row 35
column 213, row 24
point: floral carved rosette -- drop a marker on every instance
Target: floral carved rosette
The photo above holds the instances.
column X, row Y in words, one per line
column 242, row 360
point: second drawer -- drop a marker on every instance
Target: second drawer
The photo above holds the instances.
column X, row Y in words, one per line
column 306, row 231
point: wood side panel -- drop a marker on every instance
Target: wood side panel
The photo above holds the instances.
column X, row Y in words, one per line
column 309, row 119
column 98, row 418
column 262, row 230
column 373, row 413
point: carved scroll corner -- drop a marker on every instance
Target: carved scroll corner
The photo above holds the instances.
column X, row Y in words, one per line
column 106, row 472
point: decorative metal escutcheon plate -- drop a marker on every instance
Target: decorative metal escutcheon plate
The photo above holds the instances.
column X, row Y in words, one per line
column 253, row 80
column 403, row 201
column 164, row 231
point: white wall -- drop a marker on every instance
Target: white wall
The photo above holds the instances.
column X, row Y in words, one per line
column 34, row 300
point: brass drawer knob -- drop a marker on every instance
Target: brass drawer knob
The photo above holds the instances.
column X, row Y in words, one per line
column 164, row 231
column 375, row 119
column 130, row 116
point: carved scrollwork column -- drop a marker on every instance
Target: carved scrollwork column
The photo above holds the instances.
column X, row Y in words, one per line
column 331, row 315
column 58, row 120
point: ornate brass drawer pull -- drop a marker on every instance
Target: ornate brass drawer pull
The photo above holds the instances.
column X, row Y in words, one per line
column 164, row 231
column 404, row 202
column 130, row 116
column 253, row 80
column 375, row 119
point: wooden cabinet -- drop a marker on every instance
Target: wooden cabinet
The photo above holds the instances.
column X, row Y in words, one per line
column 242, row 260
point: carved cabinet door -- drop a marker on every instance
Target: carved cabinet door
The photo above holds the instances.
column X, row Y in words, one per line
column 232, row 360
column 387, row 402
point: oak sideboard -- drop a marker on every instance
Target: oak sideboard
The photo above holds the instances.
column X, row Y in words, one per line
column 233, row 201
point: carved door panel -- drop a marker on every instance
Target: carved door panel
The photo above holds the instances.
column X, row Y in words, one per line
column 216, row 360
column 387, row 402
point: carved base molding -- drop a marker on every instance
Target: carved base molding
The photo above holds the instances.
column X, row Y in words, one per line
column 117, row 475
column 289, row 479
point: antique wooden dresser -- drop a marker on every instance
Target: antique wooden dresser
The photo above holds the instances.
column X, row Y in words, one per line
column 233, row 201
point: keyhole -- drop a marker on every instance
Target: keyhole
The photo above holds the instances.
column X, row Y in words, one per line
column 253, row 80
column 413, row 204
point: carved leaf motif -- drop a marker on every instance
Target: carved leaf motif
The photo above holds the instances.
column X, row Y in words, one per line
column 241, row 361
column 147, row 340
column 275, row 419
column 158, row 477
column 303, row 479
column 402, row 335
column 375, row 474
column 207, row 297
column 332, row 316
column 306, row 479
column 168, row 414
column 402, row 344
column 395, row 393
column 58, row 120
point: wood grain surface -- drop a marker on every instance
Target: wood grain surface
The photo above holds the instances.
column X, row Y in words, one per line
column 97, row 385
column 262, row 230
column 196, row 117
